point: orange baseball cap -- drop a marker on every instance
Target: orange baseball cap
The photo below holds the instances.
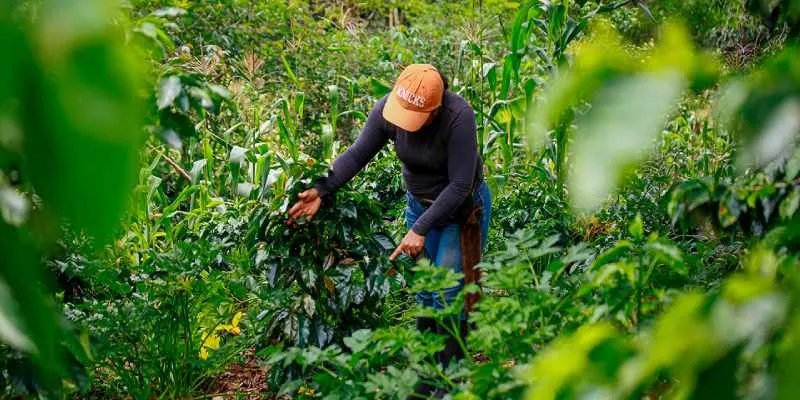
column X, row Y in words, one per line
column 416, row 94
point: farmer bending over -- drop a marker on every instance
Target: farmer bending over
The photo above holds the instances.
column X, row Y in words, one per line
column 449, row 204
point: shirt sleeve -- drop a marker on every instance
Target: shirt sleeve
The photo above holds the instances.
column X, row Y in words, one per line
column 372, row 138
column 462, row 159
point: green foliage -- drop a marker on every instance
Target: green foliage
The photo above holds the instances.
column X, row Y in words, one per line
column 178, row 97
column 368, row 367
column 763, row 109
column 71, row 132
column 698, row 342
column 681, row 284
column 622, row 86
column 777, row 13
column 535, row 206
column 335, row 267
column 752, row 204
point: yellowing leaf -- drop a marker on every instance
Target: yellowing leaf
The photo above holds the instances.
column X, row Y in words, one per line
column 329, row 285
column 211, row 341
column 236, row 319
column 233, row 327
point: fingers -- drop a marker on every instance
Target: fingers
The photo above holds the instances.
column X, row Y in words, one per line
column 297, row 211
column 301, row 207
column 404, row 248
column 308, row 195
column 295, row 208
column 397, row 252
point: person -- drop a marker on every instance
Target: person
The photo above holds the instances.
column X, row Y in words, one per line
column 448, row 202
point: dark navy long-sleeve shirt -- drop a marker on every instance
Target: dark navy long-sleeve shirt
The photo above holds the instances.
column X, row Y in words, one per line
column 440, row 161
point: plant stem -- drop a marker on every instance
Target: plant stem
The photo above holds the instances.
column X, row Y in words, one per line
column 172, row 163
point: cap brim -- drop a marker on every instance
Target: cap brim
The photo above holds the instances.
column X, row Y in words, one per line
column 407, row 120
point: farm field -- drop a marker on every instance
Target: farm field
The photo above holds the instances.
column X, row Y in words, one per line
column 640, row 157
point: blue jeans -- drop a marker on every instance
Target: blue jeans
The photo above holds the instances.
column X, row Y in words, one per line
column 443, row 244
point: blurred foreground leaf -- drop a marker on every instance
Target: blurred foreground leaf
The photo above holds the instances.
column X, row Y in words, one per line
column 631, row 97
column 764, row 110
column 82, row 116
column 617, row 131
column 68, row 88
column 29, row 324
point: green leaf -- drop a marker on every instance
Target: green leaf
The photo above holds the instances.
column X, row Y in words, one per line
column 627, row 116
column 789, row 205
column 84, row 126
column 508, row 73
column 289, row 71
column 201, row 98
column 359, row 340
column 621, row 249
column 669, row 255
column 378, row 87
column 29, row 322
column 729, row 209
column 11, row 327
column 197, row 169
column 636, row 228
column 608, row 271
column 169, row 89
column 719, row 380
column 169, row 12
column 489, row 72
column 517, row 36
column 287, row 138
column 793, row 165
column 557, row 20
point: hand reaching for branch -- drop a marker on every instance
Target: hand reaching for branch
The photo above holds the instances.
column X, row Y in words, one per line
column 411, row 245
column 307, row 205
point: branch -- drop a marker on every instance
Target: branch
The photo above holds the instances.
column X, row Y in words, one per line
column 174, row 164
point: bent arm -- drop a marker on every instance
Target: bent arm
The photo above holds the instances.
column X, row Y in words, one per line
column 462, row 159
column 372, row 138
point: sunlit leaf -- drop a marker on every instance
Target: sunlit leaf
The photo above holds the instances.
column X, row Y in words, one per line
column 11, row 328
column 627, row 117
column 169, row 90
column 789, row 205
column 14, row 207
column 169, row 12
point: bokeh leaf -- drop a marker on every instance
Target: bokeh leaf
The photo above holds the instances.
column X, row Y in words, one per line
column 83, row 118
column 627, row 117
column 169, row 90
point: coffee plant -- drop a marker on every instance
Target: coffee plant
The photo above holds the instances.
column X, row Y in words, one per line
column 642, row 156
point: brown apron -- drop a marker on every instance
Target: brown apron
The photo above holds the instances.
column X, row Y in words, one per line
column 468, row 216
column 471, row 253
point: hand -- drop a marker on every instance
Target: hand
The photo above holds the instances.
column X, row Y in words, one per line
column 411, row 245
column 308, row 205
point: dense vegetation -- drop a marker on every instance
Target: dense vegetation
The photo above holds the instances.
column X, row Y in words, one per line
column 642, row 155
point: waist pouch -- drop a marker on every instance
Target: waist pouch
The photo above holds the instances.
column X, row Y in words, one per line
column 468, row 217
